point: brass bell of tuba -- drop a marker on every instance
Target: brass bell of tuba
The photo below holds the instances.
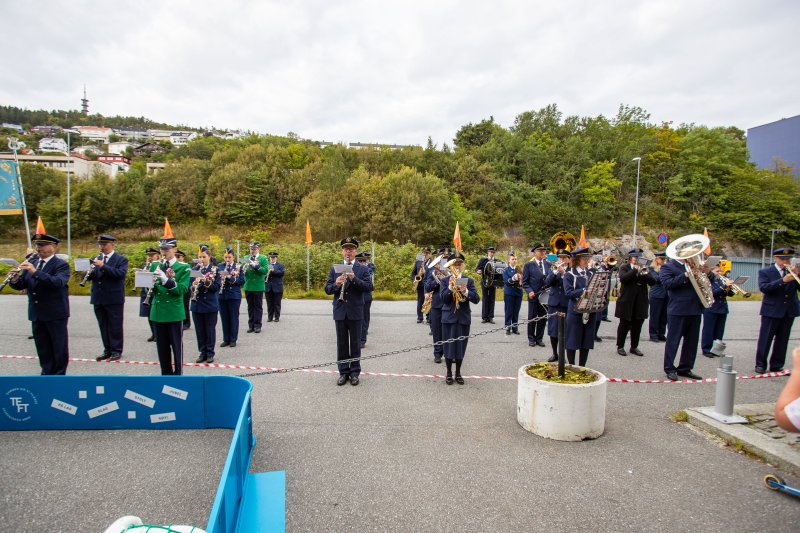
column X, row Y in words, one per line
column 563, row 240
column 690, row 249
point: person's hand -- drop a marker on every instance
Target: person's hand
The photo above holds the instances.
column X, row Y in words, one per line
column 26, row 265
column 350, row 275
column 98, row 263
column 161, row 275
column 340, row 280
column 531, row 294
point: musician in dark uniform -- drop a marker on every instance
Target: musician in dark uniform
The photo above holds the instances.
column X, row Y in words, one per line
column 363, row 258
column 153, row 255
column 44, row 278
column 273, row 287
column 432, row 285
column 488, row 290
column 594, row 267
column 255, row 271
column 580, row 334
column 714, row 317
column 684, row 312
column 108, row 295
column 556, row 301
column 417, row 277
column 167, row 310
column 456, row 318
column 779, row 307
column 348, row 290
column 187, row 322
column 512, row 294
column 658, row 302
column 205, row 305
column 633, row 303
column 230, row 299
column 534, row 274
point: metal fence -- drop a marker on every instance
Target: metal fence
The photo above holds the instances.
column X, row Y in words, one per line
column 747, row 266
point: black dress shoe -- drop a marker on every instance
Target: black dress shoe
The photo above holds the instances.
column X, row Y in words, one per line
column 459, row 380
column 354, row 380
column 761, row 370
column 491, row 321
column 654, row 339
column 622, row 352
column 103, row 357
column 606, row 319
column 672, row 376
column 210, row 359
column 709, row 355
column 437, row 359
column 277, row 320
column 115, row 357
column 269, row 320
column 362, row 344
column 201, row 359
column 151, row 338
column 530, row 343
column 508, row 332
column 186, row 326
column 690, row 375
column 636, row 351
column 232, row 344
column 251, row 330
column 419, row 321
column 341, row 381
column 553, row 359
column 515, row 332
column 484, row 320
column 540, row 344
column 598, row 339
column 662, row 339
column 257, row 330
column 777, row 370
column 449, row 380
column 224, row 344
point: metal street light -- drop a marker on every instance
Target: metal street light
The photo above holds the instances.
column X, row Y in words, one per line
column 636, row 205
column 772, row 240
column 69, row 198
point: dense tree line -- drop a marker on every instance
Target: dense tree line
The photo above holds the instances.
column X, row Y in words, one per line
column 543, row 173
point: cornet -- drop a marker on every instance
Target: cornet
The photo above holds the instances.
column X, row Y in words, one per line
column 728, row 283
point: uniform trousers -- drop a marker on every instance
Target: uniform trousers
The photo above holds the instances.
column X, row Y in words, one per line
column 536, row 329
column 512, row 303
column 488, row 298
column 169, row 344
column 187, row 322
column 635, row 328
column 348, row 345
column 255, row 308
column 365, row 324
column 205, row 327
column 713, row 329
column 229, row 316
column 52, row 345
column 777, row 330
column 455, row 350
column 688, row 329
column 273, row 304
column 109, row 318
column 420, row 299
column 436, row 329
column 658, row 318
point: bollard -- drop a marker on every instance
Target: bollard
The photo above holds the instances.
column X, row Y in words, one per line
column 726, row 388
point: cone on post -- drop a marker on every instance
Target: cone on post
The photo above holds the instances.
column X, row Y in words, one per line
column 40, row 227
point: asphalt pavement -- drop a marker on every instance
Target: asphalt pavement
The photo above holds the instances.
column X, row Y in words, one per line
column 408, row 453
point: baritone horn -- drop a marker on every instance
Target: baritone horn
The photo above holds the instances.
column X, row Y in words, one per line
column 690, row 248
column 563, row 240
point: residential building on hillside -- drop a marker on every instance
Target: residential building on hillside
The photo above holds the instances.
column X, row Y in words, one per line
column 52, row 144
column 120, row 147
column 777, row 141
column 377, row 146
column 80, row 166
column 10, row 126
column 132, row 133
column 155, row 168
column 94, row 133
column 148, row 149
column 86, row 149
column 180, row 138
column 46, row 130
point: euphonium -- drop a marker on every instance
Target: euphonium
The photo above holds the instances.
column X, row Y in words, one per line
column 689, row 248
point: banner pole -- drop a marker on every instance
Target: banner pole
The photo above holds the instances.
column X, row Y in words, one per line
column 308, row 268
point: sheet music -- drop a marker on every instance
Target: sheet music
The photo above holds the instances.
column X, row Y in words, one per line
column 340, row 268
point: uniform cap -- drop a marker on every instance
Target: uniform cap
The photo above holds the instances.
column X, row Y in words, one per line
column 349, row 242
column 44, row 238
column 105, row 238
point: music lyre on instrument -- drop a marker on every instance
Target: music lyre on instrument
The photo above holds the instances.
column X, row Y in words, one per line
column 689, row 248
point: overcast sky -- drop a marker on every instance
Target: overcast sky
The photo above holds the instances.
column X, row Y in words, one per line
column 374, row 71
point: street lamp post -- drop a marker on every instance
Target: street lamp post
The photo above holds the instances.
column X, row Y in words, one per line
column 69, row 197
column 772, row 240
column 636, row 204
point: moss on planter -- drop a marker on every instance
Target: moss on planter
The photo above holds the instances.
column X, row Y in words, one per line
column 572, row 374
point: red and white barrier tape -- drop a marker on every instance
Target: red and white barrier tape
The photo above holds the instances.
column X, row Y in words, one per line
column 393, row 374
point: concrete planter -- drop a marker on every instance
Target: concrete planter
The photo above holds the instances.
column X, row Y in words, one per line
column 561, row 411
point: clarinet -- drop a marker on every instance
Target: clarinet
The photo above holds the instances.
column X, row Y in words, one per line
column 14, row 273
column 89, row 272
column 148, row 299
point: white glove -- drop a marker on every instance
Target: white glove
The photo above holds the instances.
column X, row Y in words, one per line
column 162, row 276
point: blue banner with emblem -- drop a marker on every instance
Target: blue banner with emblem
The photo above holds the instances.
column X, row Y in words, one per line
column 10, row 201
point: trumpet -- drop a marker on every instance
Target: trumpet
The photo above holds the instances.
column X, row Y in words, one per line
column 791, row 268
column 728, row 283
column 458, row 296
column 89, row 272
column 14, row 273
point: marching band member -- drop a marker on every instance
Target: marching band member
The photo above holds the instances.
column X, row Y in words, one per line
column 107, row 275
column 658, row 302
column 187, row 322
column 348, row 310
column 153, row 256
column 205, row 305
column 579, row 334
column 600, row 266
column 534, row 274
column 417, row 276
column 273, row 287
column 167, row 310
column 255, row 271
column 432, row 286
column 683, row 319
column 556, row 301
column 488, row 290
column 714, row 317
column 363, row 258
column 779, row 307
column 44, row 278
column 512, row 294
column 456, row 318
column 230, row 299
column 632, row 304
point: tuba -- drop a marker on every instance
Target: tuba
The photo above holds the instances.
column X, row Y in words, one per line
column 563, row 240
column 689, row 248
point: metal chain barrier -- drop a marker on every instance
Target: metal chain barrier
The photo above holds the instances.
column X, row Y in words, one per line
column 396, row 352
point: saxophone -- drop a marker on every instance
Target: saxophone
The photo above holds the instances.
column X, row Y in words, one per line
column 420, row 275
